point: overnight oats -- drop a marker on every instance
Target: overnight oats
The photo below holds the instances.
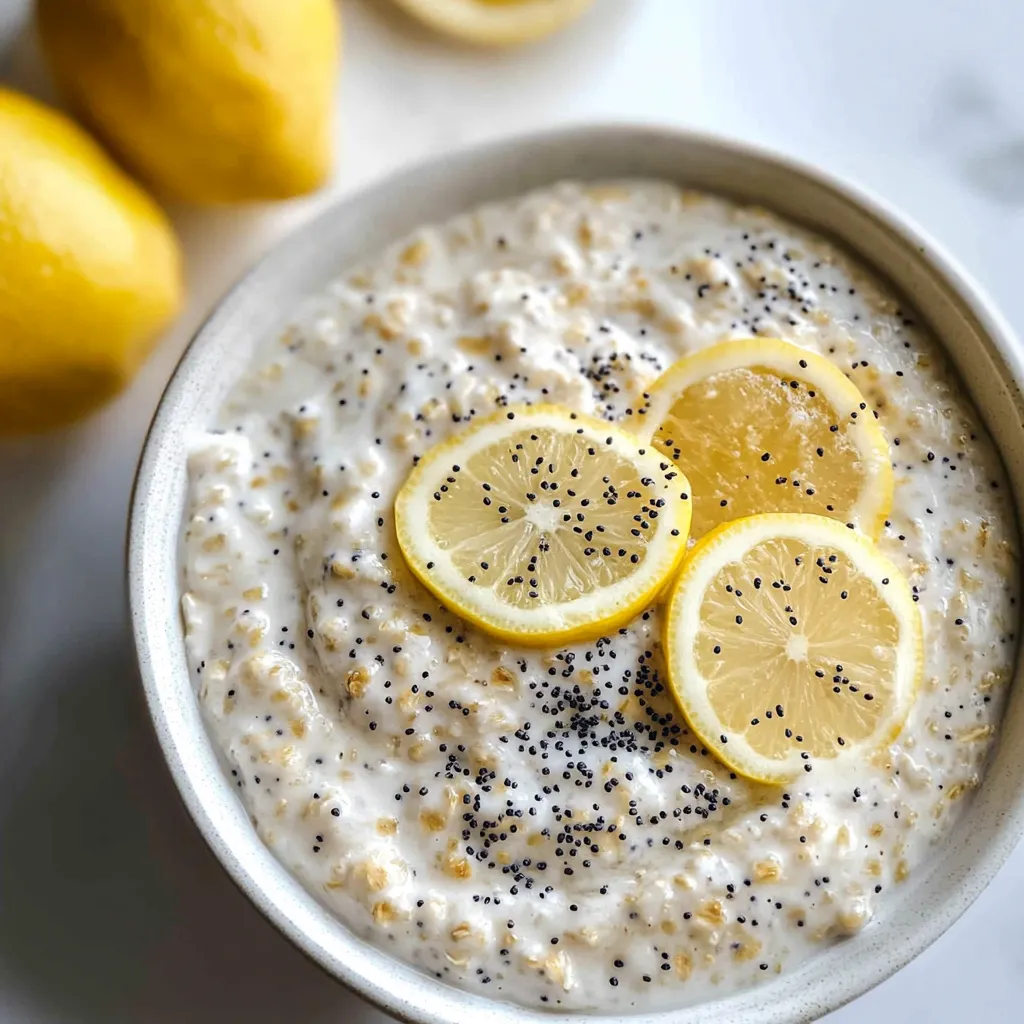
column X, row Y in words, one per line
column 604, row 600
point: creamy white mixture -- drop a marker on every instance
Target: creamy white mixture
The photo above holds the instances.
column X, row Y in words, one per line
column 540, row 826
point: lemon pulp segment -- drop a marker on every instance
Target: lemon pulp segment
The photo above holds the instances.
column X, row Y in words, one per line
column 496, row 22
column 766, row 426
column 540, row 524
column 791, row 639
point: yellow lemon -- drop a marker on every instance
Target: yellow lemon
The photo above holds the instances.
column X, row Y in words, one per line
column 496, row 22
column 543, row 526
column 209, row 100
column 790, row 642
column 89, row 270
column 762, row 425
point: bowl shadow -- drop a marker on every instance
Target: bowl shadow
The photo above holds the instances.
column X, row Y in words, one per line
column 113, row 909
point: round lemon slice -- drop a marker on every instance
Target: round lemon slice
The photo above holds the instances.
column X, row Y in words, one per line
column 543, row 526
column 791, row 641
column 496, row 22
column 762, row 425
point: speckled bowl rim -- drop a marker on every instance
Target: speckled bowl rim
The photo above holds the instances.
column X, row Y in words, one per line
column 980, row 343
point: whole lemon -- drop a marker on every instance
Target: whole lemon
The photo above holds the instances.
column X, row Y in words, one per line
column 89, row 270
column 209, row 100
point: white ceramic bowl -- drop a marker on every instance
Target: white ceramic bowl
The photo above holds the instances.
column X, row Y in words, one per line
column 978, row 341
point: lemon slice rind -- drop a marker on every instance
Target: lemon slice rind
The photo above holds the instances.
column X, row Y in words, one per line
column 587, row 617
column 870, row 511
column 727, row 544
column 495, row 24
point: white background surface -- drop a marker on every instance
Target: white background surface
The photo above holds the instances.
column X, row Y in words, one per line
column 111, row 909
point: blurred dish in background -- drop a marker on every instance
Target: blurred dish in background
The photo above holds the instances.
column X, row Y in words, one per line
column 496, row 22
column 215, row 101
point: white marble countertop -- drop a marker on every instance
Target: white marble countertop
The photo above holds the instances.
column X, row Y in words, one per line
column 111, row 908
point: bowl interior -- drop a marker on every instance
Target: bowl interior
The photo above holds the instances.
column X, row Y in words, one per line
column 978, row 343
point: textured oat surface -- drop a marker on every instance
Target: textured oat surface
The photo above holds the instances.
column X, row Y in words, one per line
column 539, row 825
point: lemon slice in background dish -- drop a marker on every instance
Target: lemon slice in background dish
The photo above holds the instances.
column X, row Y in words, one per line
column 791, row 640
column 543, row 526
column 762, row 425
column 496, row 22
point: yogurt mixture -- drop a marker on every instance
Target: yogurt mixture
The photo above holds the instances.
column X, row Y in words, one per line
column 540, row 826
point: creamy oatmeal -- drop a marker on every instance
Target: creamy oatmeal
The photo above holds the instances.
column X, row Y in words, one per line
column 539, row 826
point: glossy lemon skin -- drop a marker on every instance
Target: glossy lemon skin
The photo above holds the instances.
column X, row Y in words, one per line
column 90, row 270
column 210, row 101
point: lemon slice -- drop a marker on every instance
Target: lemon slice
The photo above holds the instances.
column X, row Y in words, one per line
column 496, row 22
column 544, row 526
column 791, row 640
column 765, row 426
